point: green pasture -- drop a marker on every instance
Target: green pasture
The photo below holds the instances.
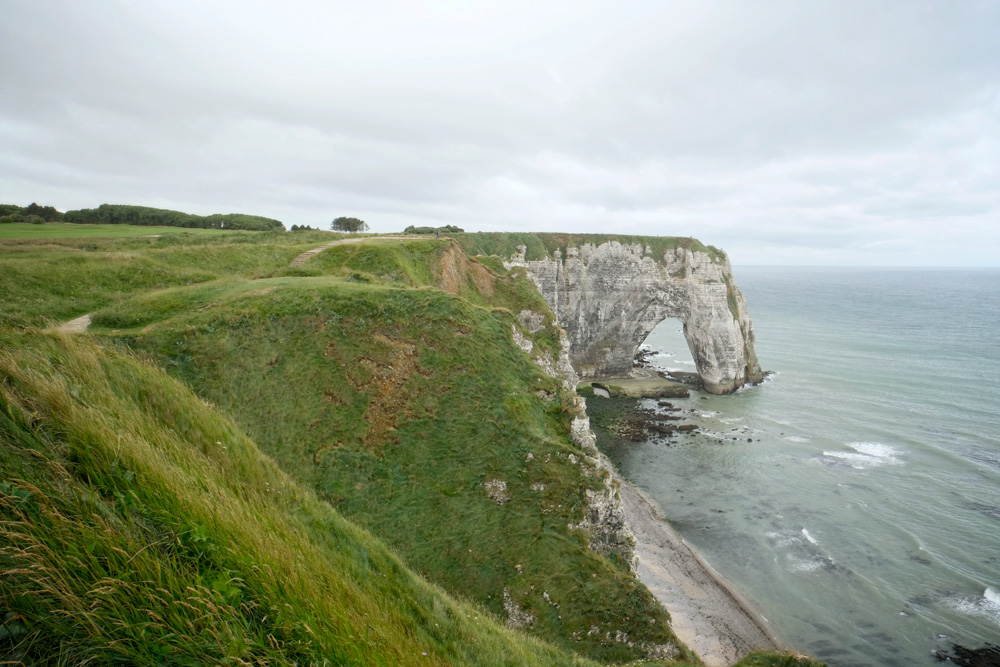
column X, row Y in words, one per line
column 67, row 230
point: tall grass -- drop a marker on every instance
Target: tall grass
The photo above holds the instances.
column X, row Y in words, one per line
column 141, row 526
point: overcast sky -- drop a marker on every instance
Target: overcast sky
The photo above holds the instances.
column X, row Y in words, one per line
column 798, row 132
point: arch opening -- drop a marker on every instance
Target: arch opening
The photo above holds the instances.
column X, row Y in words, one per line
column 666, row 349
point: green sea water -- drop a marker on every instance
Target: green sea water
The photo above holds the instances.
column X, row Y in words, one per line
column 855, row 495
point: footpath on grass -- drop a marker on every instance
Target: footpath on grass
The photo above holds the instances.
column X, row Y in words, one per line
column 361, row 239
column 81, row 323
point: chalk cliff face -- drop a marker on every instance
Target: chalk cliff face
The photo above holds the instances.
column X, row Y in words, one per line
column 608, row 297
column 604, row 519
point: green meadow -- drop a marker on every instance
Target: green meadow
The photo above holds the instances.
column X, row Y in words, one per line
column 60, row 230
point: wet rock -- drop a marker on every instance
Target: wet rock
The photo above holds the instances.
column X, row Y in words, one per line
column 987, row 656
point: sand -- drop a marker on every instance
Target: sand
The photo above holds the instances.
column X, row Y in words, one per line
column 706, row 614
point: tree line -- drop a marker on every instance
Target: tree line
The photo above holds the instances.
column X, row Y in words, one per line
column 127, row 214
column 124, row 214
column 447, row 229
column 33, row 213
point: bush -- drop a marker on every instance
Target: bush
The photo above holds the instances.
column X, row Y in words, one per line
column 447, row 229
column 33, row 214
column 22, row 218
column 46, row 213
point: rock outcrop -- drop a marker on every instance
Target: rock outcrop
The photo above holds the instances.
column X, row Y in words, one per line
column 610, row 296
column 604, row 520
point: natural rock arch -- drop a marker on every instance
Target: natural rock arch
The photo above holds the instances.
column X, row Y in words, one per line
column 608, row 298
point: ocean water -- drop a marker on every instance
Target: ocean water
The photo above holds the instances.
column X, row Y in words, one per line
column 855, row 495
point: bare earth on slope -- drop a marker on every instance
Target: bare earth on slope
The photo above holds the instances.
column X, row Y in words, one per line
column 77, row 325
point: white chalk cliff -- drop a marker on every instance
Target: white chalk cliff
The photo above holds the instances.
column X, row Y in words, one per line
column 609, row 297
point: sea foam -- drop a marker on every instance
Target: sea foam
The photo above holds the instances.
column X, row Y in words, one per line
column 987, row 606
column 867, row 455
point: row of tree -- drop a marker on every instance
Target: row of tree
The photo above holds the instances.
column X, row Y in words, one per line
column 123, row 214
column 32, row 213
column 344, row 224
column 447, row 229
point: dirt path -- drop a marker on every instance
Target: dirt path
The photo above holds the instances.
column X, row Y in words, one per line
column 705, row 614
column 318, row 249
column 77, row 325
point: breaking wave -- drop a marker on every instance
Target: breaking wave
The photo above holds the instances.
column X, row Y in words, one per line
column 987, row 606
column 866, row 455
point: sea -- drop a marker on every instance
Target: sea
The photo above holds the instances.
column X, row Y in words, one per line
column 854, row 496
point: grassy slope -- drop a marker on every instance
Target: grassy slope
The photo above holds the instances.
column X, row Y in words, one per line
column 132, row 512
column 306, row 364
column 397, row 403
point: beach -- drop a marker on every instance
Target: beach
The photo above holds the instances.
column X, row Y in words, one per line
column 706, row 614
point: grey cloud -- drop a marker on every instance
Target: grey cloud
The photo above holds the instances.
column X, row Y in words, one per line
column 826, row 127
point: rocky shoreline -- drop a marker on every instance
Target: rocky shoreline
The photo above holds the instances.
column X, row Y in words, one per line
column 707, row 615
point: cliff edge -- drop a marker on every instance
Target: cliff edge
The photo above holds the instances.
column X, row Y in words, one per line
column 610, row 292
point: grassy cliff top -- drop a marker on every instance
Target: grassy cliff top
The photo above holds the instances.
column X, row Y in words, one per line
column 543, row 245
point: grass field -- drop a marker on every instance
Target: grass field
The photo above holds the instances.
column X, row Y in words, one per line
column 46, row 281
column 65, row 230
column 347, row 462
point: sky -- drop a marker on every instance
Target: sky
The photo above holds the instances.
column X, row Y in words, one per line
column 803, row 132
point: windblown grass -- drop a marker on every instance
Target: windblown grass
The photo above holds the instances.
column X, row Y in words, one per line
column 141, row 526
column 397, row 406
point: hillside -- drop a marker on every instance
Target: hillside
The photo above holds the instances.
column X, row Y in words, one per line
column 384, row 382
column 142, row 526
column 403, row 406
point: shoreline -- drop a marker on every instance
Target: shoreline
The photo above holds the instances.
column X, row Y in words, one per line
column 706, row 614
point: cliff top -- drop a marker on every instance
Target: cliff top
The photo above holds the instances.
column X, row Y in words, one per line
column 544, row 244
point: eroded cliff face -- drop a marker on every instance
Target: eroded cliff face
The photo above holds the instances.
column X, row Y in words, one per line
column 609, row 297
column 604, row 521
